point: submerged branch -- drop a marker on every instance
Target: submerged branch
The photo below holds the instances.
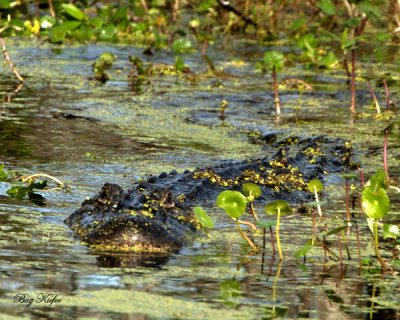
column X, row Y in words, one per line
column 44, row 175
column 226, row 5
column 9, row 61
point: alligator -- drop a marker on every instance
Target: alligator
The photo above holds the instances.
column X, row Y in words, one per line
column 155, row 214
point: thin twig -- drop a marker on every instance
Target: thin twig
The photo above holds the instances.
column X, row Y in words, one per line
column 358, row 244
column 51, row 9
column 244, row 236
column 253, row 212
column 272, row 241
column 348, row 206
column 44, row 175
column 353, row 80
column 13, row 93
column 385, row 164
column 175, row 11
column 389, row 101
column 276, row 92
column 371, row 90
column 248, row 223
column 9, row 61
column 228, row 7
column 144, row 6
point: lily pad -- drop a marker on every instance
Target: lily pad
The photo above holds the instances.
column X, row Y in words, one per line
column 203, row 217
column 251, row 191
column 378, row 181
column 265, row 223
column 315, row 186
column 274, row 59
column 375, row 203
column 233, row 202
column 278, row 205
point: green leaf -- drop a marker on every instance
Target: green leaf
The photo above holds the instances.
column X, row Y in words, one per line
column 206, row 5
column 265, row 223
column 298, row 24
column 328, row 61
column 390, row 231
column 369, row 9
column 334, row 231
column 203, row 218
column 230, row 292
column 5, row 4
column 302, row 267
column 273, row 207
column 233, row 202
column 274, row 59
column 396, row 263
column 73, row 11
column 251, row 191
column 3, row 173
column 179, row 63
column 349, row 175
column 327, row 7
column 315, row 186
column 346, row 41
column 58, row 33
column 107, row 33
column 96, row 22
column 84, row 33
column 181, row 45
column 378, row 181
column 375, row 203
column 308, row 43
column 17, row 192
column 302, row 252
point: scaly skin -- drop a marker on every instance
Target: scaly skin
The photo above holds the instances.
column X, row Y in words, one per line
column 155, row 214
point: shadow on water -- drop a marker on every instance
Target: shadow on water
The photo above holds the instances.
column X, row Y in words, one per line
column 85, row 134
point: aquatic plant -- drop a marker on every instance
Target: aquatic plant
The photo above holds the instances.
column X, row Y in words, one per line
column 223, row 105
column 348, row 176
column 179, row 47
column 252, row 192
column 203, row 218
column 376, row 204
column 274, row 61
column 316, row 186
column 138, row 73
column 104, row 62
column 278, row 208
column 23, row 187
column 234, row 204
column 386, row 131
column 314, row 53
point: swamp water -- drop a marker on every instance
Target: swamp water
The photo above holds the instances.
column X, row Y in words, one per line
column 85, row 133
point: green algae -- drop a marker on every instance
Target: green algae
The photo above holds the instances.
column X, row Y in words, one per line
column 140, row 302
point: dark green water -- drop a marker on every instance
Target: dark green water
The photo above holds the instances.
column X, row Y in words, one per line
column 84, row 133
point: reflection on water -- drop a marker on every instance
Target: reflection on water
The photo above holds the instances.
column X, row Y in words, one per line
column 86, row 134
